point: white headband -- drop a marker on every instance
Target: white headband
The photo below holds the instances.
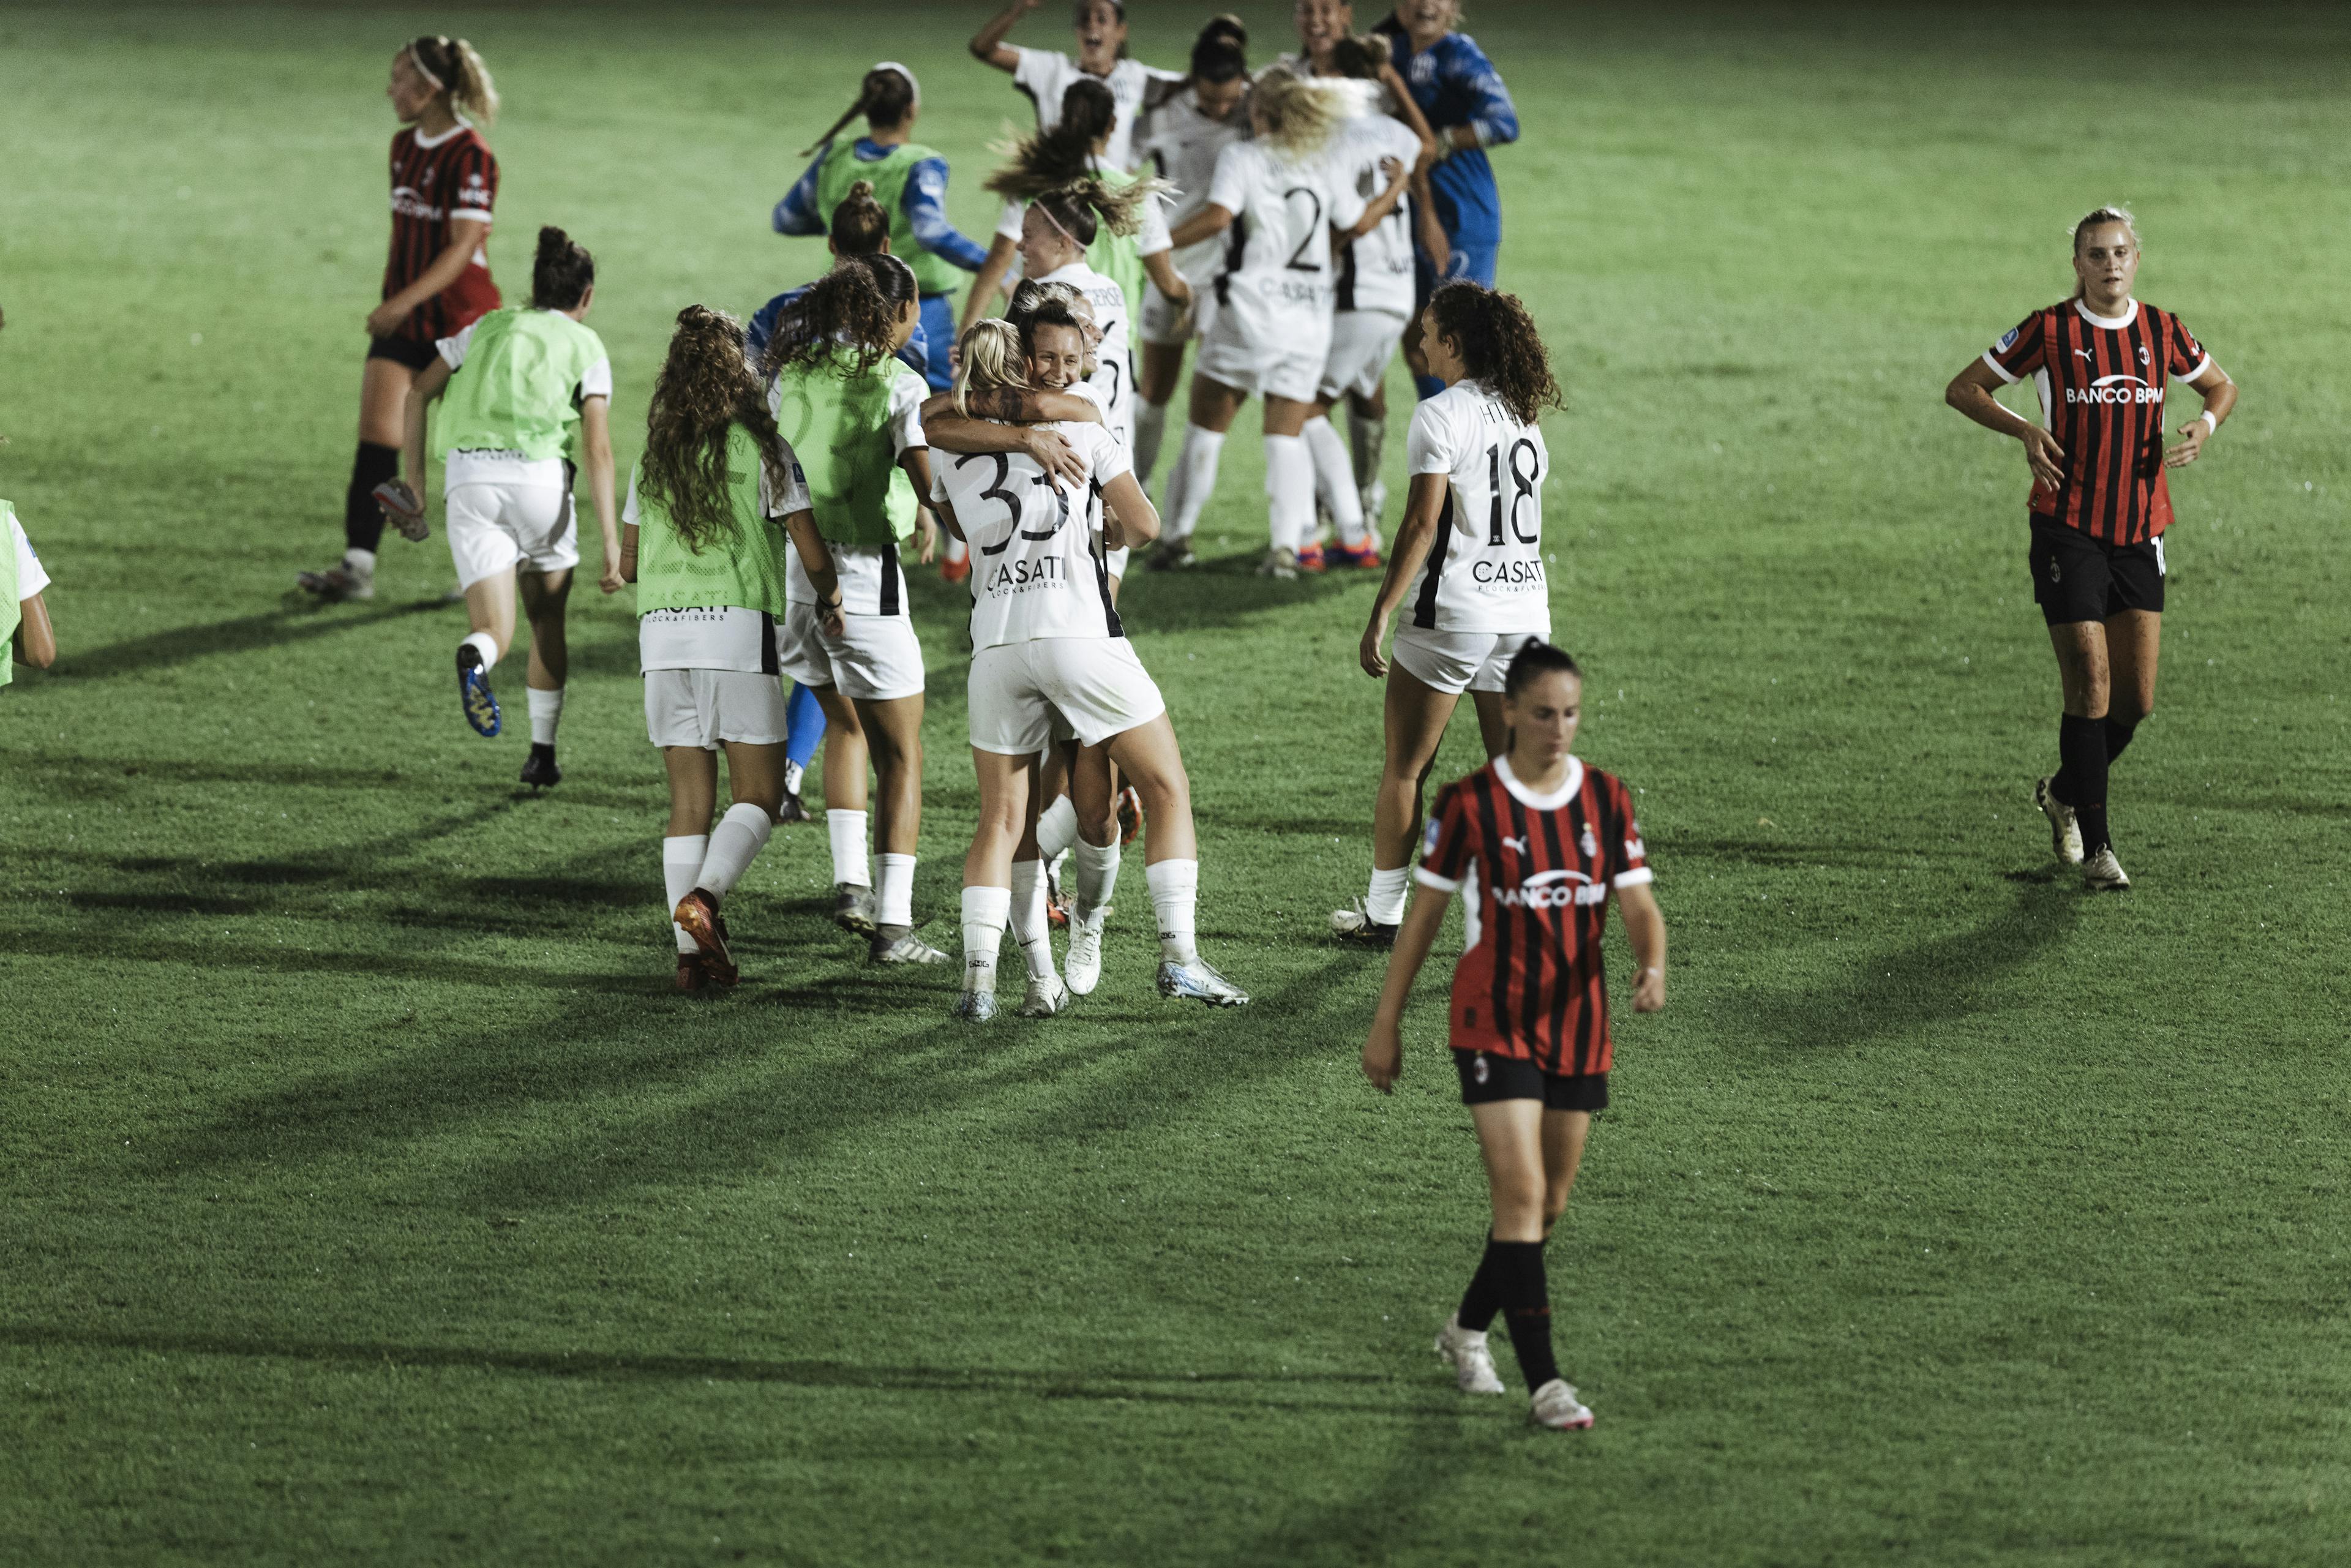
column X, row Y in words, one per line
column 895, row 66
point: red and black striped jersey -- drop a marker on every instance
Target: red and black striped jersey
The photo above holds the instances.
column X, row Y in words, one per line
column 436, row 179
column 2102, row 384
column 1536, row 871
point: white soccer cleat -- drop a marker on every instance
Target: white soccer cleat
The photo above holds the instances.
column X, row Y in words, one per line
column 1047, row 996
column 1082, row 967
column 1473, row 1362
column 1556, row 1407
column 2104, row 873
column 974, row 1006
column 2065, row 829
column 1195, row 981
column 1354, row 924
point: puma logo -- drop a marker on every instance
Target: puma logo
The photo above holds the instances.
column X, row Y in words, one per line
column 1519, row 844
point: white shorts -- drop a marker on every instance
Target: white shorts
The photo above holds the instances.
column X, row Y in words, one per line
column 1362, row 342
column 1459, row 662
column 1284, row 359
column 1095, row 683
column 526, row 525
column 703, row 708
column 877, row 660
column 1160, row 315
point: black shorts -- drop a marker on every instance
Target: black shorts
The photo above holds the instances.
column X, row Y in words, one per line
column 413, row 353
column 1486, row 1078
column 2078, row 578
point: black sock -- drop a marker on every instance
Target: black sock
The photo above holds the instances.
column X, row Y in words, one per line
column 1526, row 1307
column 2118, row 736
column 1484, row 1296
column 2081, row 782
column 362, row 518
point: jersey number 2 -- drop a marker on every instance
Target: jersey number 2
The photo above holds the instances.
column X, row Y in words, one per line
column 1313, row 224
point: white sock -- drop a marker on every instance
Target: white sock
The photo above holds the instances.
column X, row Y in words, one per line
column 1367, row 434
column 1057, row 827
column 1385, row 902
column 741, row 833
column 1175, row 897
column 894, row 904
column 1290, row 491
column 546, row 713
column 957, row 550
column 847, row 830
column 1030, row 926
column 985, row 911
column 1150, row 430
column 1097, row 876
column 1334, row 480
column 360, row 560
column 681, row 863
column 487, row 645
column 1194, row 481
column 793, row 773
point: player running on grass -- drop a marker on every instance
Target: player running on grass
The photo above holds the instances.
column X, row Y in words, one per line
column 1272, row 328
column 436, row 283
column 852, row 416
column 1537, row 842
column 519, row 390
column 703, row 546
column 1049, row 642
column 26, row 631
column 1468, row 559
column 2100, row 502
column 1043, row 76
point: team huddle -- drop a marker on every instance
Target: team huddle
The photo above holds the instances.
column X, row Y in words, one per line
column 1294, row 228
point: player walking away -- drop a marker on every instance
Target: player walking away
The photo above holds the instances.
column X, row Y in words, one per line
column 2101, row 362
column 1272, row 328
column 1181, row 140
column 1049, row 642
column 852, row 416
column 1468, row 109
column 1045, row 75
column 436, row 283
column 523, row 389
column 1372, row 306
column 25, row 627
column 1542, row 841
column 703, row 546
column 1468, row 560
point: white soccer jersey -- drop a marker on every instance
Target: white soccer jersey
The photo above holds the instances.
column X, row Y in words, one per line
column 1278, row 253
column 1181, row 146
column 1375, row 272
column 1045, row 74
column 1037, row 570
column 1114, row 376
column 1485, row 570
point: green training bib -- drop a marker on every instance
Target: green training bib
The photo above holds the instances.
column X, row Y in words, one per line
column 743, row 567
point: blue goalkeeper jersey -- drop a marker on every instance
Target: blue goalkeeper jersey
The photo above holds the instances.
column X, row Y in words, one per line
column 1455, row 84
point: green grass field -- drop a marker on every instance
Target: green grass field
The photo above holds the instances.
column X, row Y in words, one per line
column 365, row 1196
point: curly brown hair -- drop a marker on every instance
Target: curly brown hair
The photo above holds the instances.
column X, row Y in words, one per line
column 1498, row 346
column 705, row 387
column 846, row 318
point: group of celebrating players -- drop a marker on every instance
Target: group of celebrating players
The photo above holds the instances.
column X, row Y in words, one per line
column 1303, row 225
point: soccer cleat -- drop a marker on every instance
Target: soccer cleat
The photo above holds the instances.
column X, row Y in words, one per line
column 698, row 913
column 2065, row 831
column 1472, row 1360
column 852, row 907
column 1364, row 556
column 1130, row 815
column 539, row 769
column 1081, row 966
column 1354, row 925
column 692, row 975
column 793, row 809
column 474, row 694
column 904, row 949
column 1281, row 561
column 974, row 1006
column 402, row 510
column 1173, row 554
column 2104, row 873
column 1195, row 981
column 1058, row 904
column 1047, row 996
column 1556, row 1407
column 1309, row 557
column 339, row 583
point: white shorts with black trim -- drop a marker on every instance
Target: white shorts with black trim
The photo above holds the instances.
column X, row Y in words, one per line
column 703, row 708
column 1459, row 662
column 1095, row 683
column 877, row 659
column 1362, row 345
column 520, row 524
column 1284, row 359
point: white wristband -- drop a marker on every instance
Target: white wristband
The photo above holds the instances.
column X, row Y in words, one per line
column 2210, row 424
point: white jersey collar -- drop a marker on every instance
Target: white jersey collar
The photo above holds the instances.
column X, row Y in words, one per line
column 1528, row 797
column 2111, row 323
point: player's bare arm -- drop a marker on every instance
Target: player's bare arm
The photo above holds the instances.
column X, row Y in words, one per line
column 949, row 521
column 466, row 237
column 1971, row 392
column 1130, row 520
column 915, row 461
column 1384, row 1047
column 1645, row 925
column 816, row 559
column 1399, row 178
column 989, row 281
column 629, row 553
column 429, row 384
column 987, row 44
column 1160, row 267
column 2220, row 396
column 1206, row 223
column 1414, row 537
column 596, row 446
column 35, row 640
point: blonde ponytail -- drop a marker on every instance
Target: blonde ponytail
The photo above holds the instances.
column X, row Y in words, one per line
column 1299, row 116
column 473, row 94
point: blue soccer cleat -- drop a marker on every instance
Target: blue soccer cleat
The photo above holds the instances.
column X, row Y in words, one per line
column 474, row 694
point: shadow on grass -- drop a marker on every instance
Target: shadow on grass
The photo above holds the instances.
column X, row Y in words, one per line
column 272, row 629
